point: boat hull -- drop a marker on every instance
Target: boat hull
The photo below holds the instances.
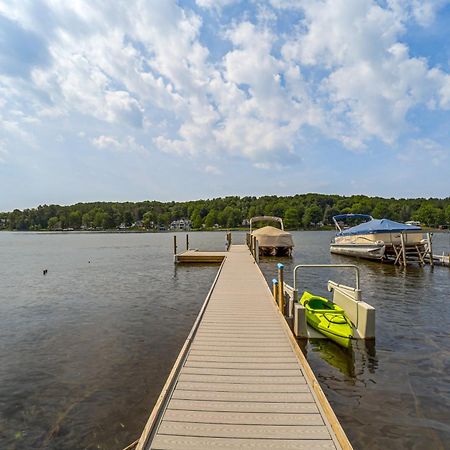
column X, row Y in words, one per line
column 369, row 251
column 327, row 318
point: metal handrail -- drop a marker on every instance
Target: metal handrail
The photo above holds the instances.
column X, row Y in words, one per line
column 339, row 266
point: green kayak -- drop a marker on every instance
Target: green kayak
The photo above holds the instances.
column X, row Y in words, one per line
column 327, row 318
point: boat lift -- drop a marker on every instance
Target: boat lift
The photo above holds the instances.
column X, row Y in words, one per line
column 360, row 313
column 266, row 219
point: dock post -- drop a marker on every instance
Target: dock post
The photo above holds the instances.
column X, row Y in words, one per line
column 275, row 289
column 187, row 242
column 228, row 240
column 281, row 287
column 174, row 245
column 402, row 240
column 256, row 251
column 430, row 249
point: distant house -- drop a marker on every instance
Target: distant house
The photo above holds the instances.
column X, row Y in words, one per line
column 138, row 223
column 246, row 223
column 181, row 225
column 122, row 226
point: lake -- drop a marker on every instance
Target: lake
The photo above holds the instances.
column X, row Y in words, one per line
column 86, row 348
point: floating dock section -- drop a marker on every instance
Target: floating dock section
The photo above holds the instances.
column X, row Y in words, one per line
column 240, row 380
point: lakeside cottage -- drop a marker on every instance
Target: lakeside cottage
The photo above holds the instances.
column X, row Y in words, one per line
column 181, row 225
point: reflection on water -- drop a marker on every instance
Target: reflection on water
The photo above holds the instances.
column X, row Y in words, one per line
column 86, row 349
column 353, row 362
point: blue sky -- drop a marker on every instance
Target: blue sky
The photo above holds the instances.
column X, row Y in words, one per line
column 179, row 100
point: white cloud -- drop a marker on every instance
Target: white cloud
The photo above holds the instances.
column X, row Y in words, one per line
column 3, row 152
column 111, row 143
column 143, row 67
column 217, row 4
column 424, row 151
column 213, row 170
column 371, row 82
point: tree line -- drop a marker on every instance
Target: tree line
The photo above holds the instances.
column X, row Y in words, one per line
column 303, row 211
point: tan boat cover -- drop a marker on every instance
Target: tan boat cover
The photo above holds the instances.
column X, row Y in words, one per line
column 273, row 237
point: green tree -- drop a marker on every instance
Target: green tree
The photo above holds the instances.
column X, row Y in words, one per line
column 313, row 215
column 52, row 223
column 447, row 214
column 127, row 218
column 75, row 219
column 381, row 211
column 148, row 218
column 328, row 215
column 98, row 219
column 291, row 218
column 87, row 219
column 429, row 215
column 196, row 219
column 211, row 218
column 234, row 218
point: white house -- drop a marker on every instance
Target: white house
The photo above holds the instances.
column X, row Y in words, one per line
column 181, row 225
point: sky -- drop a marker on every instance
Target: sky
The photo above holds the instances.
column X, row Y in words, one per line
column 181, row 100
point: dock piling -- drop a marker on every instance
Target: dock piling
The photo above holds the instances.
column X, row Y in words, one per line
column 402, row 240
column 275, row 289
column 228, row 240
column 187, row 242
column 281, row 287
column 430, row 249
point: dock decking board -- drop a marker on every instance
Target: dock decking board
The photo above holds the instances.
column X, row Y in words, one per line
column 241, row 384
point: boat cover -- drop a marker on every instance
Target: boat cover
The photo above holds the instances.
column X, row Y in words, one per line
column 273, row 237
column 378, row 226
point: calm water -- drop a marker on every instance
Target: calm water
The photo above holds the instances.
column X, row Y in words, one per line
column 85, row 350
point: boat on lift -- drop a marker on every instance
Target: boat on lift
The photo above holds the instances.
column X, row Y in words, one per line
column 373, row 238
column 271, row 240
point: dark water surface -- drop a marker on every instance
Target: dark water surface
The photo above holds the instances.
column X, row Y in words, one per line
column 86, row 349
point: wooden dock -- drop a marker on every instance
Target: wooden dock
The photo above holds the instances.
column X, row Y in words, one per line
column 240, row 381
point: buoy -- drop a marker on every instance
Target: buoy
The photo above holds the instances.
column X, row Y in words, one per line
column 44, row 272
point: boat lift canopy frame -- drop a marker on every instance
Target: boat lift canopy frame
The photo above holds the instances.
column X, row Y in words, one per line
column 266, row 219
column 327, row 266
column 349, row 216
